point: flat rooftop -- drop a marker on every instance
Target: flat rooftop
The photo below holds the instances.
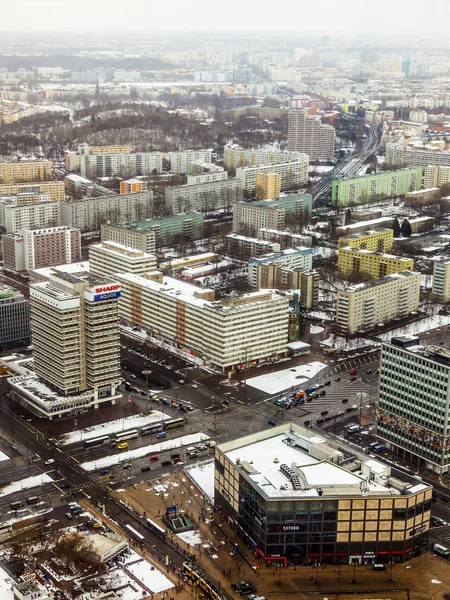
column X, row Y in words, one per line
column 77, row 269
column 123, row 252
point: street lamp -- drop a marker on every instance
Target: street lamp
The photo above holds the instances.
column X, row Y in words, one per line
column 146, row 372
column 361, row 396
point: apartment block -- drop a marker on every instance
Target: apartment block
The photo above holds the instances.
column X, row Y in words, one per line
column 434, row 176
column 380, row 240
column 180, row 161
column 88, row 214
column 363, row 306
column 120, row 165
column 293, row 258
column 80, row 187
column 234, row 156
column 172, row 230
column 20, row 172
column 242, row 247
column 108, row 258
column 307, row 134
column 295, row 496
column 268, row 185
column 293, row 175
column 286, row 239
column 389, row 184
column 424, row 196
column 133, row 186
column 28, row 198
column 400, row 155
column 414, row 394
column 441, row 281
column 71, row 161
column 219, row 174
column 129, row 236
column 364, row 226
column 15, row 217
column 275, row 276
column 204, row 197
column 54, row 188
column 352, row 261
column 114, row 149
column 36, row 248
column 249, row 217
column 76, row 346
column 14, row 319
column 225, row 333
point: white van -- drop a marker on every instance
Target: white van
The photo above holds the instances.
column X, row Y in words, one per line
column 442, row 550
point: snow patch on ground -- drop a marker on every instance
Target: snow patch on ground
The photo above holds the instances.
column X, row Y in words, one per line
column 3, row 456
column 341, row 343
column 278, row 382
column 193, row 538
column 418, row 327
column 203, row 477
column 316, row 329
column 153, row 579
column 115, row 459
column 25, row 484
column 111, row 427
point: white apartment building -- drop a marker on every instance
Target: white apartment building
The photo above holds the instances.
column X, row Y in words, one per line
column 292, row 258
column 108, row 258
column 250, row 217
column 441, row 281
column 129, row 236
column 226, row 333
column 219, row 175
column 435, row 176
column 204, row 197
column 29, row 197
column 293, row 175
column 234, row 156
column 363, row 306
column 285, row 238
column 88, row 214
column 180, row 161
column 120, row 165
column 400, row 155
column 15, row 217
column 307, row 134
column 76, row 346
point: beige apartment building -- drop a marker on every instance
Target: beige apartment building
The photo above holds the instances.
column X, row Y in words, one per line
column 234, row 156
column 363, row 306
column 108, row 258
column 380, row 240
column 352, row 261
column 20, row 172
column 225, row 333
column 434, row 176
column 54, row 188
column 307, row 134
column 130, row 237
column 274, row 276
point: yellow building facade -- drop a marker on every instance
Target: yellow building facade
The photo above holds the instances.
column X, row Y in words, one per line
column 19, row 172
column 56, row 189
column 376, row 264
column 268, row 186
column 380, row 240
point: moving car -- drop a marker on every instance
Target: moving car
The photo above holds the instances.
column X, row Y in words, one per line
column 272, row 422
column 122, row 446
column 145, row 469
column 153, row 458
column 194, row 386
column 50, row 461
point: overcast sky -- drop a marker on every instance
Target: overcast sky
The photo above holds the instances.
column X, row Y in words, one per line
column 405, row 17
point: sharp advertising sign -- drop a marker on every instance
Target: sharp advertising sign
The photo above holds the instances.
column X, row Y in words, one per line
column 106, row 292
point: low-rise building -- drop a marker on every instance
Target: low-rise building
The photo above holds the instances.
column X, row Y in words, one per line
column 225, row 333
column 204, row 197
column 249, row 217
column 286, row 239
column 293, row 495
column 380, row 240
column 133, row 186
column 128, row 235
column 421, row 224
column 81, row 187
column 191, row 261
column 174, row 229
column 108, row 258
column 354, row 261
column 180, row 161
column 293, row 258
column 14, row 319
column 362, row 306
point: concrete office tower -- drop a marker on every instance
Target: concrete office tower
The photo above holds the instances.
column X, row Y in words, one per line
column 76, row 334
column 20, row 172
column 14, row 319
column 307, row 134
column 108, row 258
column 268, row 186
column 363, row 306
column 441, row 281
column 36, row 248
column 413, row 418
column 54, row 188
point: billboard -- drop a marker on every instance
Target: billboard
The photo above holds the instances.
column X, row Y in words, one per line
column 106, row 292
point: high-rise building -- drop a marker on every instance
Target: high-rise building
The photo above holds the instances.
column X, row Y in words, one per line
column 268, row 186
column 14, row 319
column 249, row 217
column 108, row 258
column 363, row 306
column 399, row 155
column 129, row 236
column 381, row 240
column 389, row 184
column 54, row 188
column 120, row 165
column 204, row 197
column 307, row 134
column 173, row 229
column 19, row 172
column 36, row 248
column 413, row 418
column 435, row 176
column 293, row 258
column 353, row 261
column 180, row 161
column 15, row 217
column 286, row 239
column 76, row 346
column 293, row 175
column 294, row 495
column 441, row 281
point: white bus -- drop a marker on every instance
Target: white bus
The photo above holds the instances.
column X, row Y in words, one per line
column 123, row 436
column 442, row 550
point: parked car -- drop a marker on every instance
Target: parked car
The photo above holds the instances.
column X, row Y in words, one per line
column 69, row 515
column 272, row 422
column 327, row 382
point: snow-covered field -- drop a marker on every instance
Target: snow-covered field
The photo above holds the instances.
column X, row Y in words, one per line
column 341, row 343
column 135, row 422
column 115, row 459
column 25, row 484
column 418, row 327
column 278, row 382
column 203, row 476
